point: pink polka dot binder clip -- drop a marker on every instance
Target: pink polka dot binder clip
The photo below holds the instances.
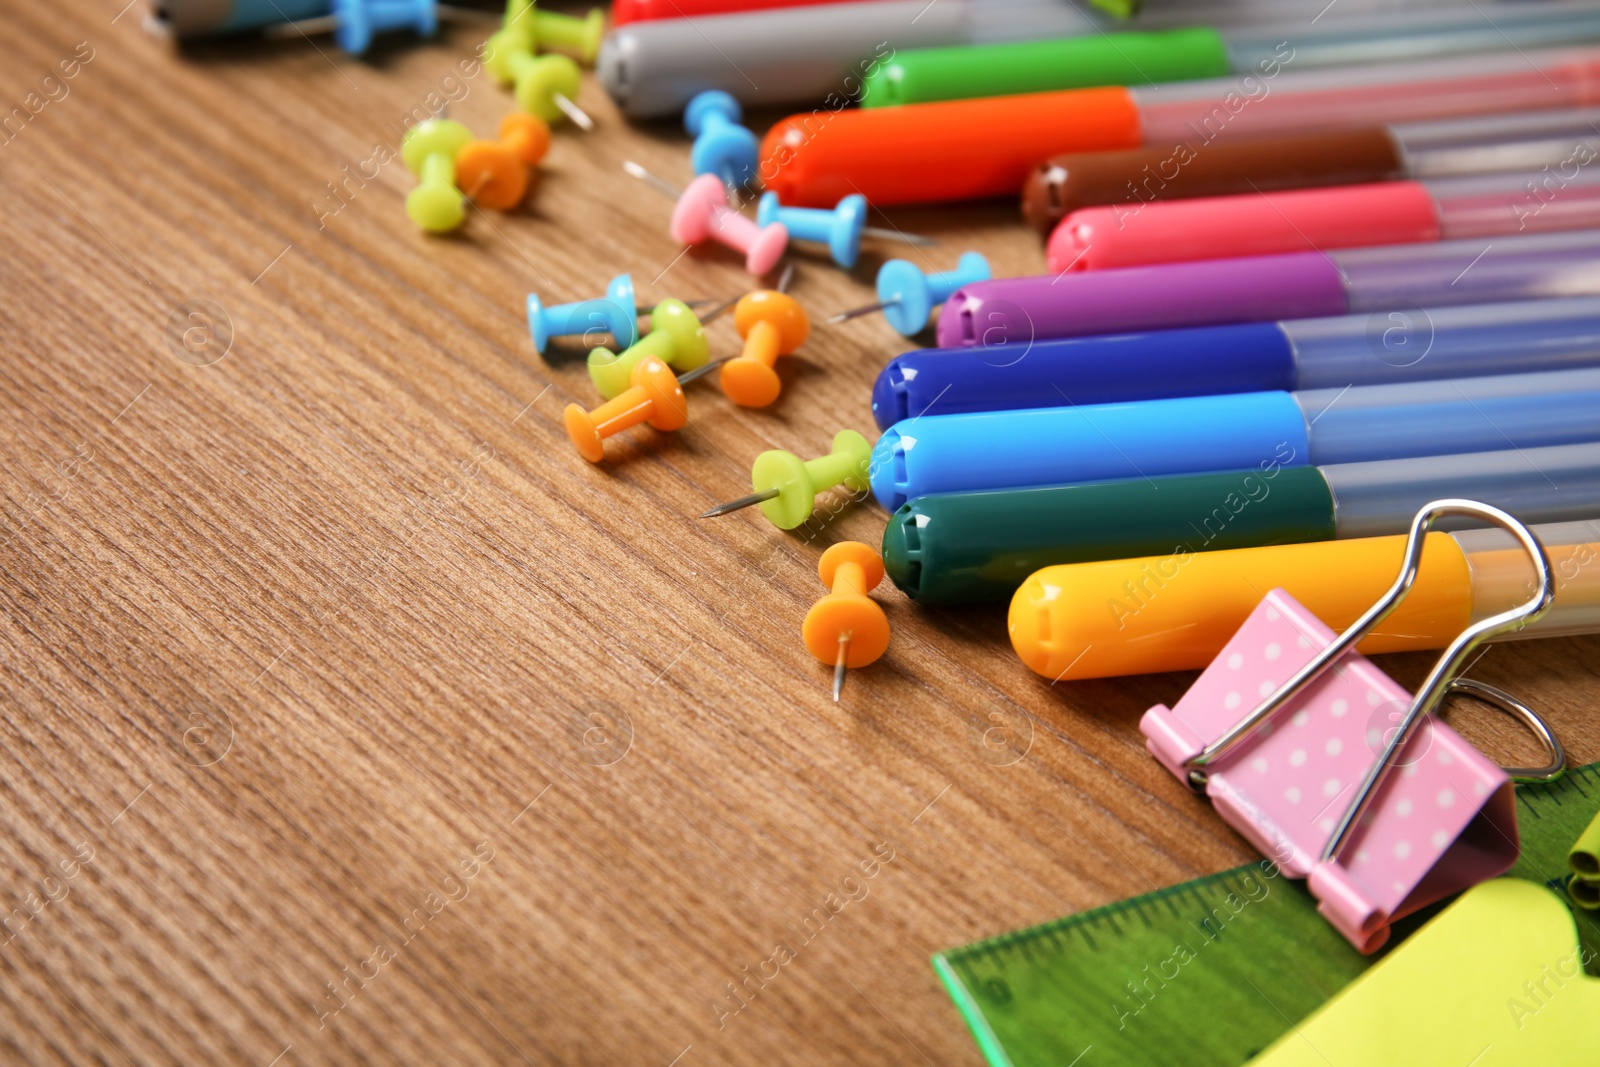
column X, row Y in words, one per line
column 1339, row 775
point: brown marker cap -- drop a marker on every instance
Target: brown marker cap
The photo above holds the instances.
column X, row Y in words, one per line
column 1065, row 183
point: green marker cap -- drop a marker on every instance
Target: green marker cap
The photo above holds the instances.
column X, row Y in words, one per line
column 978, row 547
column 966, row 71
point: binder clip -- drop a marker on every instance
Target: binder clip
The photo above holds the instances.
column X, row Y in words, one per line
column 1339, row 775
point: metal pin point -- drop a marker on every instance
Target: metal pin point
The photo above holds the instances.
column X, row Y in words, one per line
column 865, row 309
column 921, row 240
column 839, row 666
column 701, row 371
column 660, row 185
column 579, row 116
column 741, row 503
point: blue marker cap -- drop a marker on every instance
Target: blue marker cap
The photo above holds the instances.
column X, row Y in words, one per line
column 1084, row 370
column 1058, row 446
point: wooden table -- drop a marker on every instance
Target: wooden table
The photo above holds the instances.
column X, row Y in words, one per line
column 351, row 717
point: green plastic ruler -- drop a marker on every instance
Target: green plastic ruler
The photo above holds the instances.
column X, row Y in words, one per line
column 1207, row 972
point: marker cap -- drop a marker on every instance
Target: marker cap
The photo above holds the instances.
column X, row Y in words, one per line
column 951, row 548
column 952, row 150
column 1176, row 611
column 962, row 72
column 1132, row 177
column 1252, row 224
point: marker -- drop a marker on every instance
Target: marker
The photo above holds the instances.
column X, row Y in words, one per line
column 918, row 76
column 1563, row 139
column 1382, row 348
column 1263, row 288
column 1344, row 216
column 961, row 149
column 1175, row 611
column 1186, row 435
column 979, row 547
column 803, row 54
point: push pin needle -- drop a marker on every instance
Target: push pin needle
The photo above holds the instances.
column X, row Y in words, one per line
column 722, row 307
column 840, row 666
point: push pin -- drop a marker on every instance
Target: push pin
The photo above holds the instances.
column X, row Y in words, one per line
column 542, row 85
column 676, row 338
column 429, row 151
column 840, row 229
column 613, row 313
column 772, row 325
column 354, row 23
column 907, row 297
column 721, row 146
column 786, row 486
column 654, row 396
column 494, row 174
column 846, row 628
column 703, row 213
column 548, row 29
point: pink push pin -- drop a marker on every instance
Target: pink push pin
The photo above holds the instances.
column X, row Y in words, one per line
column 703, row 213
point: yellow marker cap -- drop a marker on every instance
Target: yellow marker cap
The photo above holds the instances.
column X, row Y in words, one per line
column 1168, row 613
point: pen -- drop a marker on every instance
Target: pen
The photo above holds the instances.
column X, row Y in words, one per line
column 1411, row 345
column 1343, row 216
column 1184, row 435
column 1564, row 140
column 1263, row 288
column 980, row 546
column 920, row 75
column 1175, row 611
column 958, row 149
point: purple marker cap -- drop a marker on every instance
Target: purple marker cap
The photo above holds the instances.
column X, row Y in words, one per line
column 1205, row 293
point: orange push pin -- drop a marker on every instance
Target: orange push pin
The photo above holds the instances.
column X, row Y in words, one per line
column 494, row 174
column 654, row 397
column 772, row 324
column 845, row 628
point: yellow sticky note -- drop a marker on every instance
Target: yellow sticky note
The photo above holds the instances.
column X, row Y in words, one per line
column 1495, row 980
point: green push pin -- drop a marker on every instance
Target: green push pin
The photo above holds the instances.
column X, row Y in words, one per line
column 676, row 338
column 581, row 37
column 786, row 486
column 542, row 85
column 429, row 151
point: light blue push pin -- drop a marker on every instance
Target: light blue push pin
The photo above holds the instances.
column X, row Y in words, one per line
column 721, row 146
column 354, row 23
column 840, row 229
column 360, row 20
column 613, row 313
column 907, row 297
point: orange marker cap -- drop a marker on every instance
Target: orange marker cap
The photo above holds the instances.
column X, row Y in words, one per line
column 1171, row 613
column 849, row 569
column 772, row 324
column 951, row 150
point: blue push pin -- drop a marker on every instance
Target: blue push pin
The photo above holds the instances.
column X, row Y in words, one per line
column 613, row 313
column 354, row 23
column 840, row 229
column 721, row 146
column 907, row 297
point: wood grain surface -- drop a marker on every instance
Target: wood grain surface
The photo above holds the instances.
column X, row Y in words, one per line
column 351, row 717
